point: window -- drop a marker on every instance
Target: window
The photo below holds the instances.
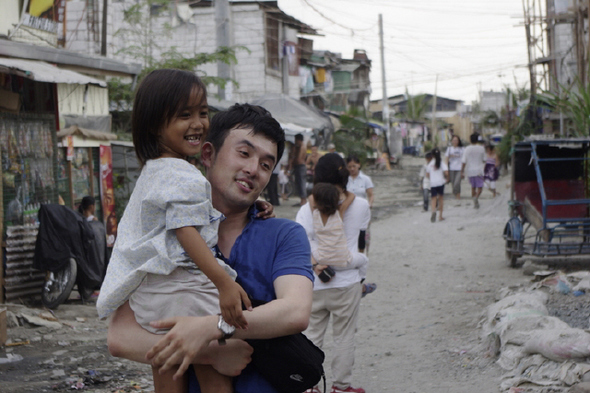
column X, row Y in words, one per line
column 272, row 43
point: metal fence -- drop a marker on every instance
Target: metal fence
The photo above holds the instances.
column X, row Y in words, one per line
column 28, row 151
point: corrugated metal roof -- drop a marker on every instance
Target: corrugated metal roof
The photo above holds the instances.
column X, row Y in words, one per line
column 93, row 64
column 45, row 72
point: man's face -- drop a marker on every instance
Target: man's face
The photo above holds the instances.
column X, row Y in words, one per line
column 240, row 170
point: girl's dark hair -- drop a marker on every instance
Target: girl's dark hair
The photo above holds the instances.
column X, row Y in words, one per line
column 490, row 147
column 436, row 154
column 246, row 116
column 460, row 144
column 87, row 201
column 326, row 197
column 331, row 169
column 161, row 96
column 353, row 158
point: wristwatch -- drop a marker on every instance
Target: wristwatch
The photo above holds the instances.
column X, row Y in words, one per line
column 227, row 330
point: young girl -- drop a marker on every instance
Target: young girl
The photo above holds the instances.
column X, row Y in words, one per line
column 438, row 173
column 425, row 181
column 162, row 260
column 331, row 247
column 454, row 155
column 490, row 170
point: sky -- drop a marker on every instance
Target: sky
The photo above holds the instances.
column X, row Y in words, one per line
column 456, row 47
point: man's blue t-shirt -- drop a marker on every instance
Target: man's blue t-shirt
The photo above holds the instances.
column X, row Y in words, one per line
column 265, row 250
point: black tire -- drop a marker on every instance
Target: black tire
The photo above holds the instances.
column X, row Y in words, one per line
column 511, row 257
column 58, row 291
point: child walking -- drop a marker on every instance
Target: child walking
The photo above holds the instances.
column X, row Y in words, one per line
column 490, row 170
column 162, row 261
column 425, row 181
column 438, row 173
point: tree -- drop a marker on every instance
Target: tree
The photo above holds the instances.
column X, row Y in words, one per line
column 352, row 134
column 574, row 104
column 416, row 107
column 143, row 33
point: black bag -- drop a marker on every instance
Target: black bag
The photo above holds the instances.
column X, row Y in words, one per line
column 292, row 364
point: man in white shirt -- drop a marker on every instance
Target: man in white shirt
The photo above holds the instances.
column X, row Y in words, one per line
column 473, row 163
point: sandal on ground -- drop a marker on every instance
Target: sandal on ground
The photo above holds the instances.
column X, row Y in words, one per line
column 369, row 288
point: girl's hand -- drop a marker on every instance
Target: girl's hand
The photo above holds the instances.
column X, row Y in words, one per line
column 186, row 338
column 266, row 210
column 317, row 269
column 230, row 303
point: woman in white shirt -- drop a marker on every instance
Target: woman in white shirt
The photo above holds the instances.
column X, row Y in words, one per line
column 359, row 184
column 438, row 173
column 454, row 155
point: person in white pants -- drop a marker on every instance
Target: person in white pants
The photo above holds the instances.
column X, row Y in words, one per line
column 340, row 297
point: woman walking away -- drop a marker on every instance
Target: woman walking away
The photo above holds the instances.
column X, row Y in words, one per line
column 454, row 155
column 490, row 170
column 338, row 300
column 438, row 173
column 361, row 185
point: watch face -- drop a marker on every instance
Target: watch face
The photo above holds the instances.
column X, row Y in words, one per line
column 225, row 327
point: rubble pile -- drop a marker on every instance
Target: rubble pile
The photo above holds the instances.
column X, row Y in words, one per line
column 58, row 352
column 540, row 352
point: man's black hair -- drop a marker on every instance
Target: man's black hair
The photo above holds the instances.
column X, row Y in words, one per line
column 246, row 116
column 474, row 138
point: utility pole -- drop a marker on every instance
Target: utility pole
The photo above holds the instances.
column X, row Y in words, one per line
column 103, row 43
column 222, row 23
column 588, row 51
column 285, row 67
column 385, row 103
column 434, row 130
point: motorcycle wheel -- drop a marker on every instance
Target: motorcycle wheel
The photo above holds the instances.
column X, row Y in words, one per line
column 58, row 285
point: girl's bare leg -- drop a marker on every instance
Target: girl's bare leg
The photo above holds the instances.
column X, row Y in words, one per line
column 440, row 207
column 163, row 383
column 210, row 381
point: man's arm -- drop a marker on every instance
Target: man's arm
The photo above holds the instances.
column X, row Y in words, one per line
column 288, row 314
column 127, row 339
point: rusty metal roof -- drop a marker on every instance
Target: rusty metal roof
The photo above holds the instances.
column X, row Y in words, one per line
column 44, row 72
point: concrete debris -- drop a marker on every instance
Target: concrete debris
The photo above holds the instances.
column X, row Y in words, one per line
column 583, row 387
column 40, row 321
column 47, row 316
column 11, row 320
column 11, row 358
column 529, row 268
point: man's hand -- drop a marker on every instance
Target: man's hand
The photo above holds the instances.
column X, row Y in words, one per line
column 186, row 338
column 230, row 302
column 266, row 209
column 230, row 359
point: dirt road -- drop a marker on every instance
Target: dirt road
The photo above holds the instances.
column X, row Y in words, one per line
column 418, row 332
